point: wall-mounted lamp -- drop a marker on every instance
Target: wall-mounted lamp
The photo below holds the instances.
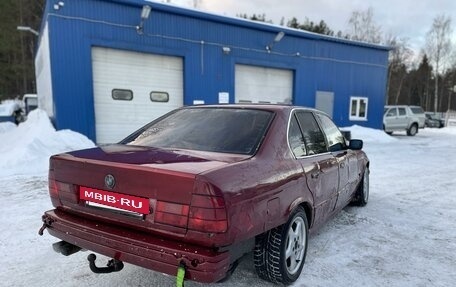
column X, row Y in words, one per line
column 59, row 5
column 28, row 29
column 226, row 50
column 145, row 13
column 277, row 39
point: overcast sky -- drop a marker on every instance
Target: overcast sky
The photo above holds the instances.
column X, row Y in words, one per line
column 405, row 18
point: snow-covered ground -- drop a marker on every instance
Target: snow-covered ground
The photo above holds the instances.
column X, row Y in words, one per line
column 405, row 236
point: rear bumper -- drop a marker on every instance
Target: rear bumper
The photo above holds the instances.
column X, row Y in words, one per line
column 142, row 249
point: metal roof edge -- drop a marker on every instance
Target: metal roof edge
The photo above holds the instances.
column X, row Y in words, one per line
column 170, row 8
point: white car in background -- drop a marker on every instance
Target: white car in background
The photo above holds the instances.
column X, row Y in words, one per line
column 403, row 118
column 10, row 111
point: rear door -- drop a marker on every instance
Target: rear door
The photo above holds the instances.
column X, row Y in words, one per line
column 320, row 166
column 402, row 119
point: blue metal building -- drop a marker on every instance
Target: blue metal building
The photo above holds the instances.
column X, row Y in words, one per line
column 104, row 69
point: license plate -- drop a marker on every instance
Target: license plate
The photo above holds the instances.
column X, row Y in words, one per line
column 118, row 200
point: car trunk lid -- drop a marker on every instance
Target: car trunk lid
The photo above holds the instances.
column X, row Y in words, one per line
column 145, row 188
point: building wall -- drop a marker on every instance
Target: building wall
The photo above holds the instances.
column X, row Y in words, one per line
column 319, row 63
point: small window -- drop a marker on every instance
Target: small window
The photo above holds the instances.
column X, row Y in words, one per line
column 417, row 110
column 402, row 111
column 122, row 95
column 358, row 108
column 160, row 97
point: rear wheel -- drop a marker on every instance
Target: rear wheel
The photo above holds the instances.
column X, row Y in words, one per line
column 362, row 194
column 280, row 253
column 413, row 130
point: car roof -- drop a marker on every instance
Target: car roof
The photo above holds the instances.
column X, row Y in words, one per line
column 267, row 107
column 401, row 106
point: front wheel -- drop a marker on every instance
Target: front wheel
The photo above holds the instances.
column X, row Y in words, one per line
column 362, row 193
column 387, row 132
column 413, row 130
column 280, row 253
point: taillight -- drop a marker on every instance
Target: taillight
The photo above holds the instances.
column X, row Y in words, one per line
column 53, row 189
column 171, row 213
column 208, row 214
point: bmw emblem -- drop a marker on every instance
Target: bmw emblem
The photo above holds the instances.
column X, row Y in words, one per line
column 110, row 181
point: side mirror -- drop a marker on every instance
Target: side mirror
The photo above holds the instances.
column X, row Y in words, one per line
column 355, row 144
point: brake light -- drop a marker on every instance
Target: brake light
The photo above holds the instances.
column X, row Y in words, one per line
column 53, row 189
column 208, row 214
column 174, row 214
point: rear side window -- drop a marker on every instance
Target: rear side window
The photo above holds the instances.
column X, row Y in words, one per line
column 313, row 136
column 224, row 130
column 296, row 139
column 402, row 111
column 417, row 110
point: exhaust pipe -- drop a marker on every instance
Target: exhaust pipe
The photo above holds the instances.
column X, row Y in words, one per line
column 65, row 248
column 114, row 265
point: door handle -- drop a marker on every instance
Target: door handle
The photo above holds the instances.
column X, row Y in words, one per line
column 315, row 174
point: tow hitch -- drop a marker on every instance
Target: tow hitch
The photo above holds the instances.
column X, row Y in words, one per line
column 47, row 222
column 114, row 265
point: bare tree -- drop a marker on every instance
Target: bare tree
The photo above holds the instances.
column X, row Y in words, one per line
column 438, row 47
column 399, row 60
column 363, row 27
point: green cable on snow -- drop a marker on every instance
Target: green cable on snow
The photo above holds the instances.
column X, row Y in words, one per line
column 180, row 275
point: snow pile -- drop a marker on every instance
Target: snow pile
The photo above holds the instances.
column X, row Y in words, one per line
column 27, row 148
column 369, row 135
column 6, row 126
column 8, row 107
column 450, row 130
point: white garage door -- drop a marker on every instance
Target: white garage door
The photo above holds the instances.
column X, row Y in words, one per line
column 131, row 89
column 255, row 84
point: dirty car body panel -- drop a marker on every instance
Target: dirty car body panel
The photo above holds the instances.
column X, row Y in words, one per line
column 200, row 184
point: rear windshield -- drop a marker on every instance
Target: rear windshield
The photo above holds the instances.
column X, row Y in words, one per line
column 224, row 130
column 417, row 110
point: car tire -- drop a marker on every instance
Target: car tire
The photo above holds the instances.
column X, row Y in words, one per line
column 362, row 193
column 280, row 253
column 389, row 133
column 413, row 130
